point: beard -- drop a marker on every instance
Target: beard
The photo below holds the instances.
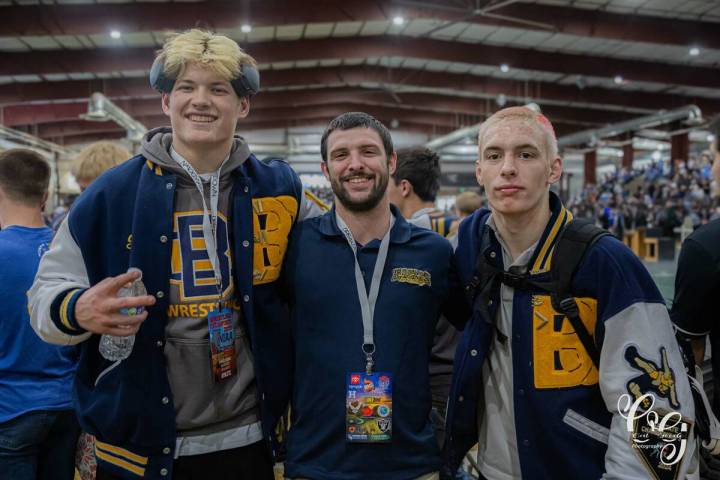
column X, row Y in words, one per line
column 370, row 202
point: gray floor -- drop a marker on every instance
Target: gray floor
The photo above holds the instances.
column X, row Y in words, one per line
column 663, row 272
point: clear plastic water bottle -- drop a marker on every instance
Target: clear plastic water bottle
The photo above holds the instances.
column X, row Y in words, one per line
column 116, row 348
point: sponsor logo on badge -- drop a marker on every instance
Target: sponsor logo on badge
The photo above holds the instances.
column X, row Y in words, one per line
column 383, row 424
column 383, row 410
column 355, row 379
column 368, row 385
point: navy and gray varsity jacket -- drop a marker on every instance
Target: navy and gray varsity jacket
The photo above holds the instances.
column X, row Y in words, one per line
column 567, row 420
column 125, row 219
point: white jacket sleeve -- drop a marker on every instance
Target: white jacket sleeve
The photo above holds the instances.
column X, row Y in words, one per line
column 640, row 356
column 60, row 279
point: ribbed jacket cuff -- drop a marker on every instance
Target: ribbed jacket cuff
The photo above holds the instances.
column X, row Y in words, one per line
column 62, row 311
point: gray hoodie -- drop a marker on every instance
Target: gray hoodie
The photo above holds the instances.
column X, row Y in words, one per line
column 203, row 406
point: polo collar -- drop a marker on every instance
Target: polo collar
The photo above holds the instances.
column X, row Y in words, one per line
column 400, row 233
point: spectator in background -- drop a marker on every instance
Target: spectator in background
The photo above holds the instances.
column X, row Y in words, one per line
column 90, row 163
column 38, row 428
column 697, row 285
column 466, row 203
column 414, row 188
column 94, row 159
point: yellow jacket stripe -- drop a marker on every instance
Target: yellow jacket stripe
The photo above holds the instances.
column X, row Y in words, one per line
column 155, row 168
column 121, row 452
column 139, row 471
column 63, row 309
column 313, row 198
column 542, row 261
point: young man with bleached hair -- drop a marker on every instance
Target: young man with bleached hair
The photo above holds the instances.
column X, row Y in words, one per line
column 365, row 289
column 543, row 399
column 207, row 224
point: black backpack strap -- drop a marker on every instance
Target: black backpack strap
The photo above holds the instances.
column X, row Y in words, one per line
column 484, row 275
column 573, row 243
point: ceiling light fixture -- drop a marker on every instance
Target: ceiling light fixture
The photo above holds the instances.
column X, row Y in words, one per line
column 398, row 20
column 504, row 68
column 246, row 28
column 619, row 80
column 115, row 34
column 694, row 51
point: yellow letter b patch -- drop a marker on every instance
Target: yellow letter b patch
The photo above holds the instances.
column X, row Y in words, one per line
column 559, row 357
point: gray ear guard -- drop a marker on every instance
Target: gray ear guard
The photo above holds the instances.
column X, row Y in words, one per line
column 246, row 85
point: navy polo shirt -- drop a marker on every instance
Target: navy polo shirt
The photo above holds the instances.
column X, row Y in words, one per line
column 328, row 335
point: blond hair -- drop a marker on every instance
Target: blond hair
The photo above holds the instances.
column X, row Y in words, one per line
column 467, row 202
column 218, row 53
column 97, row 157
column 531, row 118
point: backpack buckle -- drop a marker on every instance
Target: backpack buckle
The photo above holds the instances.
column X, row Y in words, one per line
column 514, row 280
column 569, row 307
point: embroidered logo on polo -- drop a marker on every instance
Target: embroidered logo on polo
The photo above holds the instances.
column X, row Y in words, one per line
column 192, row 271
column 559, row 357
column 272, row 220
column 412, row 276
column 657, row 379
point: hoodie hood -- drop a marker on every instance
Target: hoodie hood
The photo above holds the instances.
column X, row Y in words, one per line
column 156, row 148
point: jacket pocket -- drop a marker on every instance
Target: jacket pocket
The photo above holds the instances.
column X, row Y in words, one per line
column 586, row 426
column 199, row 399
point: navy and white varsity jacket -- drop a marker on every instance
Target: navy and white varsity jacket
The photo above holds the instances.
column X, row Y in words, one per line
column 567, row 419
column 125, row 218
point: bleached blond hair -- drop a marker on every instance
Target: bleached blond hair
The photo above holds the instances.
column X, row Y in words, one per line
column 218, row 53
column 97, row 157
column 529, row 117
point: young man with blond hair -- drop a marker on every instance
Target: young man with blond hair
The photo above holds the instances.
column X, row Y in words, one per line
column 207, row 224
column 542, row 402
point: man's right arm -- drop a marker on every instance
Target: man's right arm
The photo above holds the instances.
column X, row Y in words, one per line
column 60, row 280
column 66, row 310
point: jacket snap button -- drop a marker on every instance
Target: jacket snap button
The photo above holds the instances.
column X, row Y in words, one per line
column 473, row 352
